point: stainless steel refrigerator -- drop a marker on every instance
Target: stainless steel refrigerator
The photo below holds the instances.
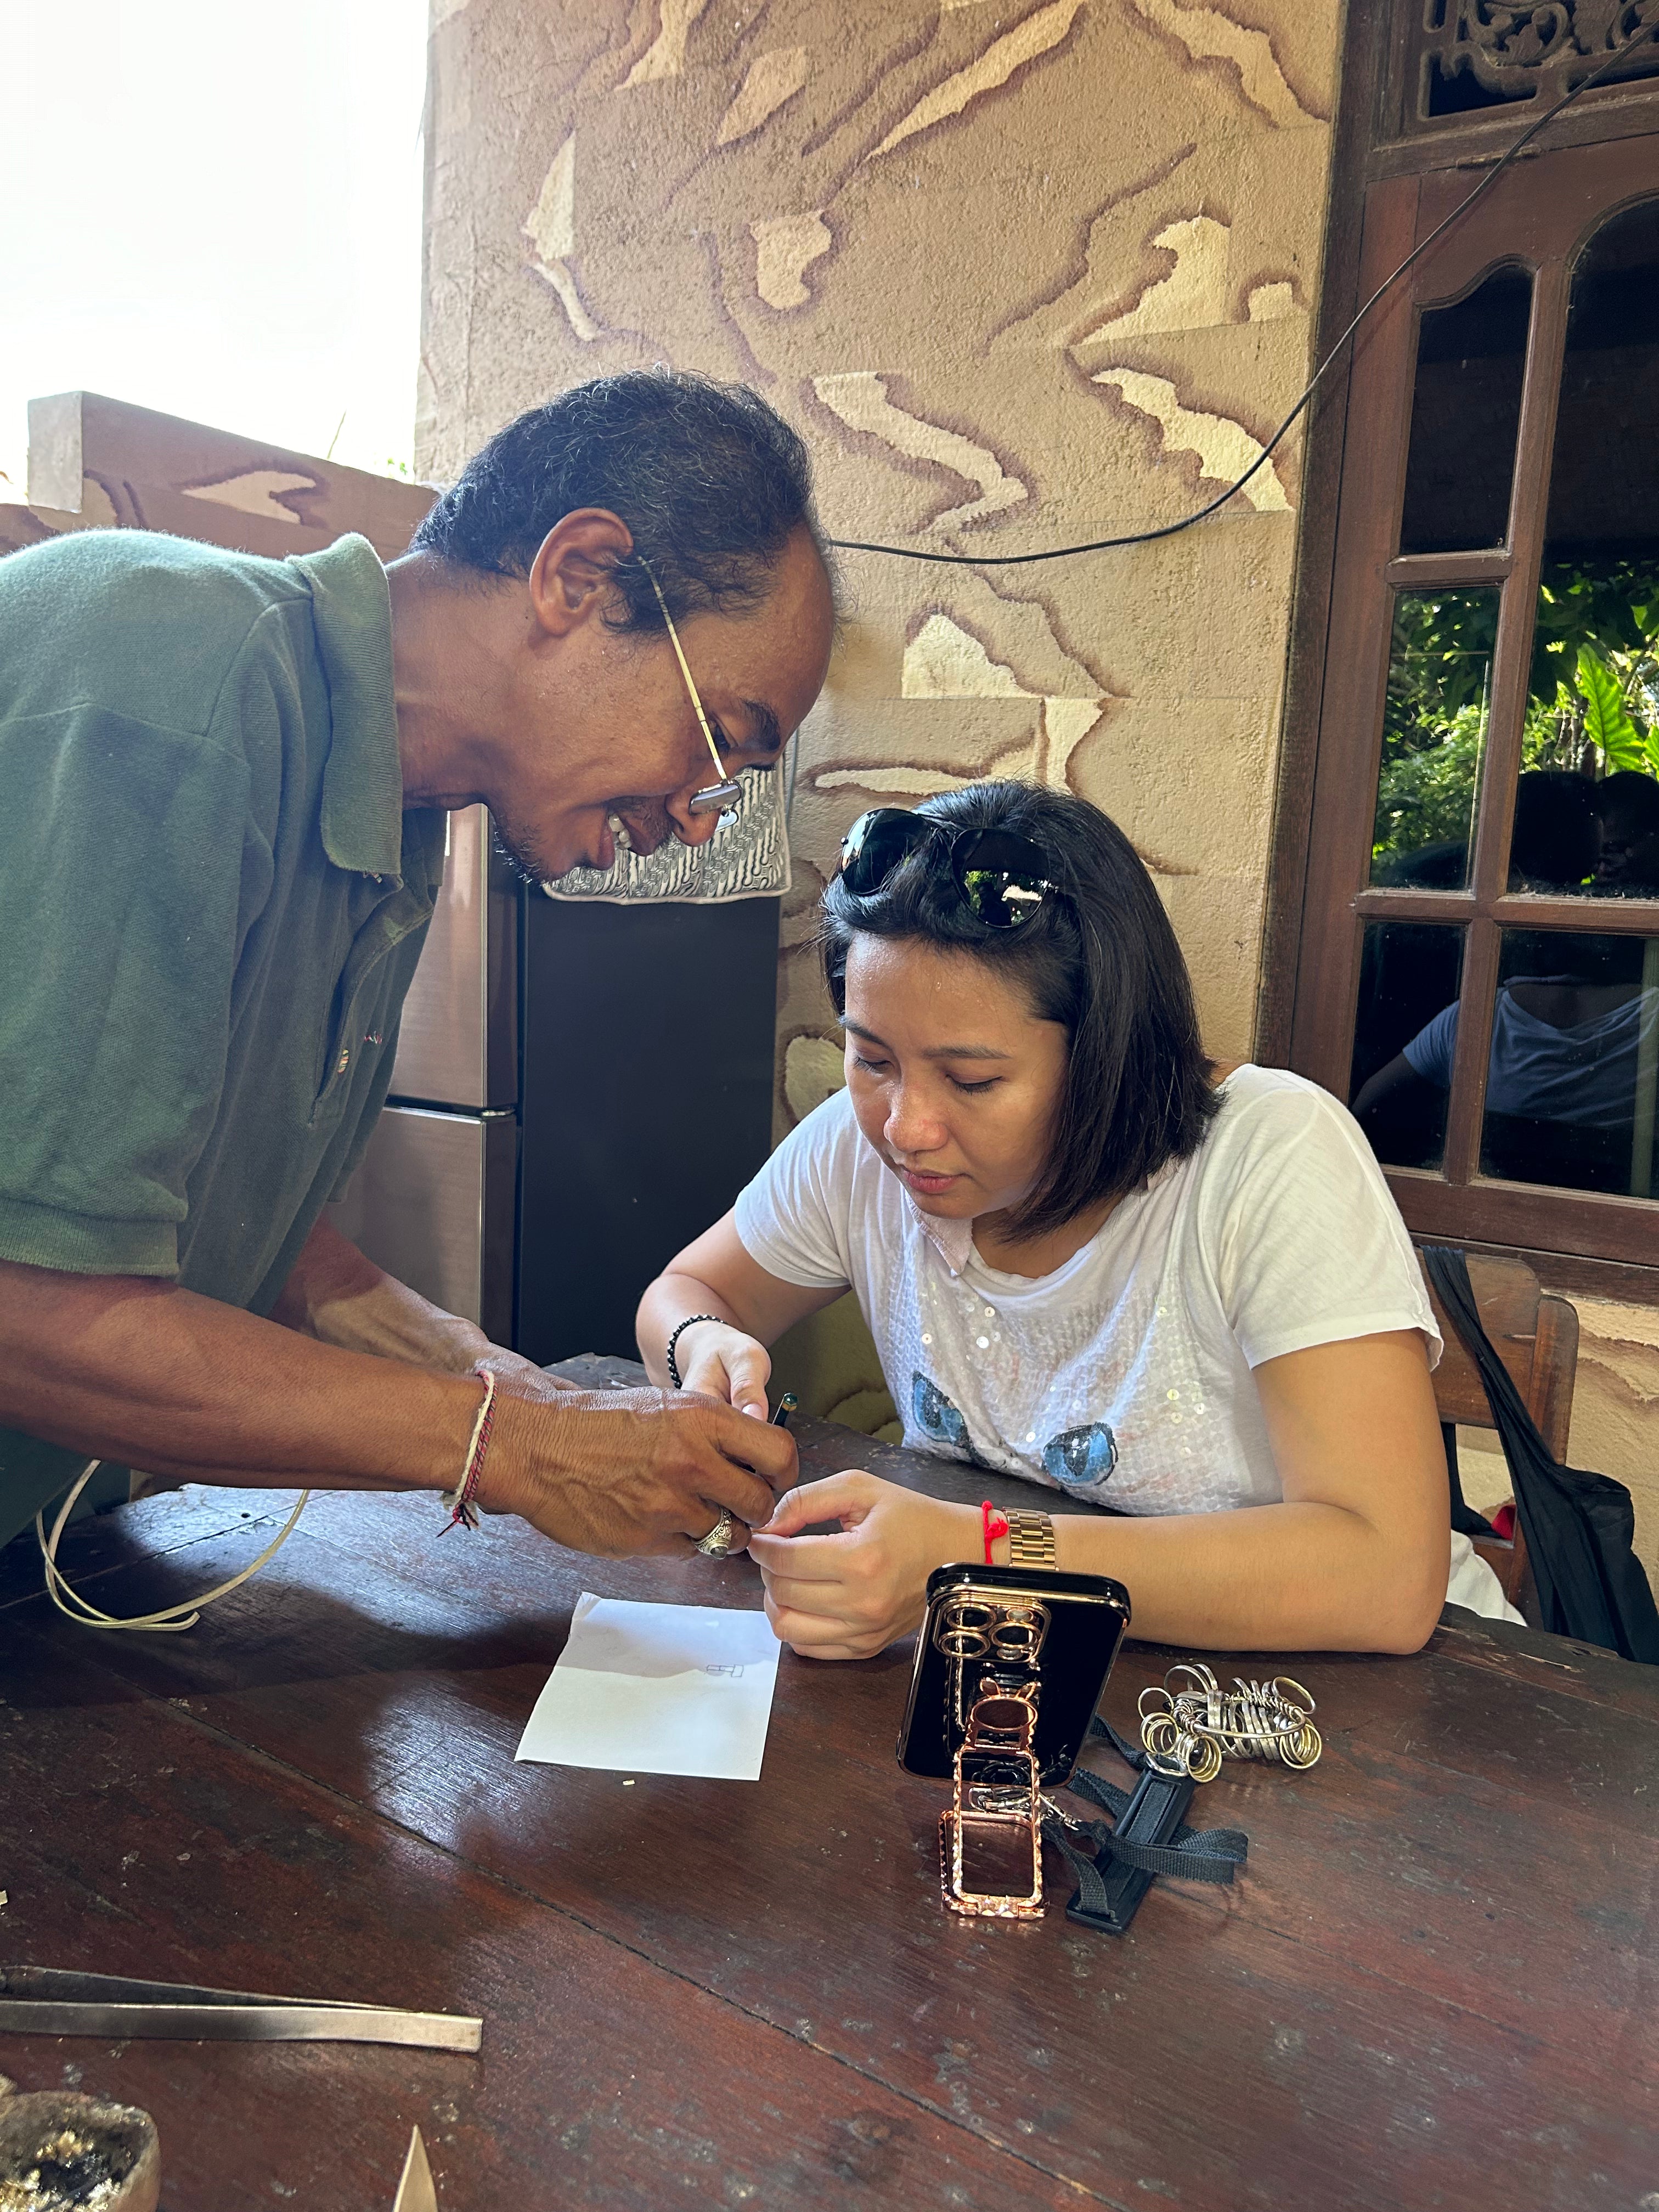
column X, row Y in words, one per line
column 579, row 1090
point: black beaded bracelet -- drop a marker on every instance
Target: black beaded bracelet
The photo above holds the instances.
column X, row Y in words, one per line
column 680, row 1329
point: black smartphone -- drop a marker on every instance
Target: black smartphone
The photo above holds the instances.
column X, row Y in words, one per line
column 1016, row 1631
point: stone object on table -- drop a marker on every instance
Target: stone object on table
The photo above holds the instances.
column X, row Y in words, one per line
column 63, row 2151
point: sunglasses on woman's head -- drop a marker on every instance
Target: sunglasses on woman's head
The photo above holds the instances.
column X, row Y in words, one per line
column 1002, row 878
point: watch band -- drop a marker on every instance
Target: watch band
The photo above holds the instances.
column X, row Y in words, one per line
column 1030, row 1540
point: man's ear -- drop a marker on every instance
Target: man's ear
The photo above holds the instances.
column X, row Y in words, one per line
column 570, row 578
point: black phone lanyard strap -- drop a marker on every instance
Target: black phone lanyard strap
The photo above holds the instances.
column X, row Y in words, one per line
column 1148, row 1837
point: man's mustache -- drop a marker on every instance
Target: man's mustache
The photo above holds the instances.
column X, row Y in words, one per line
column 646, row 824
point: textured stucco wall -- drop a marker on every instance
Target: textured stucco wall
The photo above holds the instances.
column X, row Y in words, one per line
column 1020, row 273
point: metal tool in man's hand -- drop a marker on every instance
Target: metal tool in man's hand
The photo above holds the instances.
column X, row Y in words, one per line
column 718, row 1543
column 49, row 2001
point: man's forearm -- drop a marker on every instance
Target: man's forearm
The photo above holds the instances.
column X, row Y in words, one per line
column 339, row 1295
column 141, row 1371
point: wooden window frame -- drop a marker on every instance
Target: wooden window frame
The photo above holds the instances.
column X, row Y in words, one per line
column 1390, row 187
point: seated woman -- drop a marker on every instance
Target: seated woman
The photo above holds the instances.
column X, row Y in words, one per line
column 1088, row 1257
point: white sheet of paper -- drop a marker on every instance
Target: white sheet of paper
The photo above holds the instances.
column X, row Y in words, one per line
column 657, row 1689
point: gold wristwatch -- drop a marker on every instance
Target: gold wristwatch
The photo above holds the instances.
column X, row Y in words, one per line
column 1031, row 1541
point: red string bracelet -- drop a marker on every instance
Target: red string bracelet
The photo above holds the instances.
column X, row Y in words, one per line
column 996, row 1525
column 462, row 1510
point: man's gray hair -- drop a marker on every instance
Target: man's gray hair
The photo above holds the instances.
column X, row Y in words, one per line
column 711, row 482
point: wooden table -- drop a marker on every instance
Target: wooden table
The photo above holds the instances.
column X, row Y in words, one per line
column 1434, row 1984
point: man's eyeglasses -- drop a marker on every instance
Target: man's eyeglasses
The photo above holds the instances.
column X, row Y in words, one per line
column 1002, row 878
column 722, row 796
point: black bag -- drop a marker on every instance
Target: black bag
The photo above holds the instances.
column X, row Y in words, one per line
column 1578, row 1526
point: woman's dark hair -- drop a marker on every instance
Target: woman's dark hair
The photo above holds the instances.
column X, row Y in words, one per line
column 1099, row 957
column 710, row 481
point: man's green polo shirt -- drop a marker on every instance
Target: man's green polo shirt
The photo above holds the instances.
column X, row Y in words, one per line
column 211, row 904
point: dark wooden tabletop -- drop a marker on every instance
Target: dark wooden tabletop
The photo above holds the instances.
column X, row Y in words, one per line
column 1433, row 1985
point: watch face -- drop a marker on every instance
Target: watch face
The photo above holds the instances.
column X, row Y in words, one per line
column 1020, row 1632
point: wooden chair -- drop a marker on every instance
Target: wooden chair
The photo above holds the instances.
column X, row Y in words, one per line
column 1536, row 1336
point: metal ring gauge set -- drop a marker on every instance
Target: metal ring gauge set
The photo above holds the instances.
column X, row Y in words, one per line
column 1191, row 1724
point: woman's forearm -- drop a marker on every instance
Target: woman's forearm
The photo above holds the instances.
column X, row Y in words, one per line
column 670, row 1299
column 1287, row 1578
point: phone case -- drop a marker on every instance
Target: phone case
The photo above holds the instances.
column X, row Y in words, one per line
column 1019, row 1631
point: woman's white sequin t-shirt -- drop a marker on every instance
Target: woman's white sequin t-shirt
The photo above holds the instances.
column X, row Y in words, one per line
column 1123, row 1377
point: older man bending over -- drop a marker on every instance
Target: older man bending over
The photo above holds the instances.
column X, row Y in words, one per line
column 225, row 781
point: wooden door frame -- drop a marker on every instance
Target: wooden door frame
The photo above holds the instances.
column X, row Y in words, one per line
column 1389, row 188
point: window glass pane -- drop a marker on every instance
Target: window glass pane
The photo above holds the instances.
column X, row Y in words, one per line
column 1409, row 977
column 1434, row 731
column 1466, row 411
column 1575, row 1055
column 1594, row 691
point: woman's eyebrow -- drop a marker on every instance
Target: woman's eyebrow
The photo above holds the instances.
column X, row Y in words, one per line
column 935, row 1052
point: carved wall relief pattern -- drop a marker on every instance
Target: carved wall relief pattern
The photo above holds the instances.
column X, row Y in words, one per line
column 1211, row 33
column 1036, row 34
column 1225, row 448
column 785, row 247
column 665, row 55
column 773, row 79
column 859, row 398
column 1021, row 274
column 550, row 227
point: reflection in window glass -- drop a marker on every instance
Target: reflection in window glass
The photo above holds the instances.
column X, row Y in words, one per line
column 1593, row 707
column 1466, row 411
column 1434, row 731
column 1409, row 977
column 1573, row 1076
column 1575, row 1056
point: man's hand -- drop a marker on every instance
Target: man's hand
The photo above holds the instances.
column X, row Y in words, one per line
column 519, row 1377
column 619, row 1473
column 337, row 1295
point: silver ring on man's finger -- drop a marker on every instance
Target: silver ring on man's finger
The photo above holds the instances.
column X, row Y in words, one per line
column 718, row 1542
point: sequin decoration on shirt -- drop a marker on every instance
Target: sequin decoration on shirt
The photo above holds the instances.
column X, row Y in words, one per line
column 936, row 1417
column 1081, row 1459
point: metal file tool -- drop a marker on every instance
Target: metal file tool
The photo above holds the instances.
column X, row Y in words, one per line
column 48, row 2001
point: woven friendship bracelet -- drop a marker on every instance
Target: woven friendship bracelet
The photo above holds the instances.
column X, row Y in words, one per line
column 462, row 1510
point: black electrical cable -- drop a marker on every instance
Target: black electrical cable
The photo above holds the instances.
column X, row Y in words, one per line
column 1202, row 513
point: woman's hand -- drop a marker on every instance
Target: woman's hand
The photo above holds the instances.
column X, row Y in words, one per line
column 722, row 1362
column 848, row 1596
